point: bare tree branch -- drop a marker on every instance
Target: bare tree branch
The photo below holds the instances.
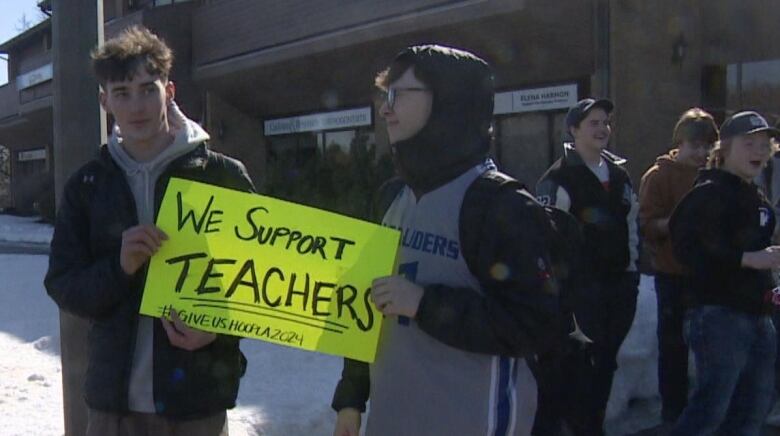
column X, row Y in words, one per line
column 22, row 24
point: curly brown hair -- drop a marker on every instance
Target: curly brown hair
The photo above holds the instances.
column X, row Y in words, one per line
column 118, row 58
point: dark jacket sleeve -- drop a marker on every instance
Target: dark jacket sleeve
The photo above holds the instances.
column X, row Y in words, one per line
column 517, row 312
column 701, row 232
column 353, row 388
column 79, row 282
column 233, row 174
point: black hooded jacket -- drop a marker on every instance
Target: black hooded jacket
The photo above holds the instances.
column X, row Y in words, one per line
column 721, row 218
column 456, row 137
column 604, row 213
column 86, row 279
column 498, row 226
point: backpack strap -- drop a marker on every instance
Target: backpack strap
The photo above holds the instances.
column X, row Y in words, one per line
column 477, row 202
column 497, row 181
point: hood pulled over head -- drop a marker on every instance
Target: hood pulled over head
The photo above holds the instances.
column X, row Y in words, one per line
column 457, row 133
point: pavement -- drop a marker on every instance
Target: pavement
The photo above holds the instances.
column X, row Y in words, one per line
column 664, row 429
column 659, row 431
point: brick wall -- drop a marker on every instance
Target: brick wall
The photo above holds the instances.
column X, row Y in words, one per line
column 237, row 134
column 649, row 90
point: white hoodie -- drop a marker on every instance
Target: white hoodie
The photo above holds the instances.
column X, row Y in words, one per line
column 142, row 178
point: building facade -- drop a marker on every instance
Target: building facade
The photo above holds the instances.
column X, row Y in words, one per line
column 287, row 87
column 26, row 117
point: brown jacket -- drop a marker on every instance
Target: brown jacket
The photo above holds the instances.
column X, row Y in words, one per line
column 661, row 188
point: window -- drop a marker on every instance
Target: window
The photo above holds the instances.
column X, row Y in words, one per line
column 341, row 141
column 294, row 149
column 30, row 168
column 169, row 2
column 332, row 170
column 754, row 85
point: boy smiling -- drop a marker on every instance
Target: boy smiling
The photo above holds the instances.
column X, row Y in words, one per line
column 590, row 183
column 662, row 187
column 145, row 376
column 722, row 232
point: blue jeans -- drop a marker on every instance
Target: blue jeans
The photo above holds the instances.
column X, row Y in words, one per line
column 672, row 351
column 776, row 320
column 734, row 354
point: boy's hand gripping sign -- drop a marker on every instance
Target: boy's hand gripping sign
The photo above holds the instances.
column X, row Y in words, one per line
column 253, row 266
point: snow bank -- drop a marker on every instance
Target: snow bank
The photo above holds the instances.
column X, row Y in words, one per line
column 635, row 384
column 31, row 382
column 284, row 392
column 24, row 229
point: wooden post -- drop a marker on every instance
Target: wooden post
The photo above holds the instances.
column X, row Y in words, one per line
column 79, row 128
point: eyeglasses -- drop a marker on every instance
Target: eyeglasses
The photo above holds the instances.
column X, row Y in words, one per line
column 392, row 93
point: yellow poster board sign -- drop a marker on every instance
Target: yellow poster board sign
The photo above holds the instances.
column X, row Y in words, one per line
column 247, row 265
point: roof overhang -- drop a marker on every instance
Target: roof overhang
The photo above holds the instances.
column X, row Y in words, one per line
column 25, row 36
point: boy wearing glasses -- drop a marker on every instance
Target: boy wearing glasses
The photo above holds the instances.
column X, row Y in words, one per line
column 662, row 187
column 474, row 295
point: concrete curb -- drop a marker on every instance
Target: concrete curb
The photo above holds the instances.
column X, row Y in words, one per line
column 14, row 247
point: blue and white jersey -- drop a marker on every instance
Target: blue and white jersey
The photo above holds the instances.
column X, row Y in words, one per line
column 420, row 386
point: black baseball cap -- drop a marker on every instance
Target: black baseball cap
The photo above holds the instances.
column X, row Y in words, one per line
column 579, row 111
column 745, row 123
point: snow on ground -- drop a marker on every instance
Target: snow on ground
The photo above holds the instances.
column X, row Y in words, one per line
column 24, row 229
column 637, row 377
column 284, row 392
column 30, row 380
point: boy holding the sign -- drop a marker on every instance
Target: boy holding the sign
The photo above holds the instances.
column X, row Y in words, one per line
column 145, row 376
column 472, row 299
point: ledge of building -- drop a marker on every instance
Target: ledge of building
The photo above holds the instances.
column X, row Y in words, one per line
column 46, row 102
column 434, row 17
column 7, row 45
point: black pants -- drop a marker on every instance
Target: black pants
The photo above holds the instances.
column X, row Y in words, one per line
column 672, row 350
column 574, row 388
column 563, row 382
